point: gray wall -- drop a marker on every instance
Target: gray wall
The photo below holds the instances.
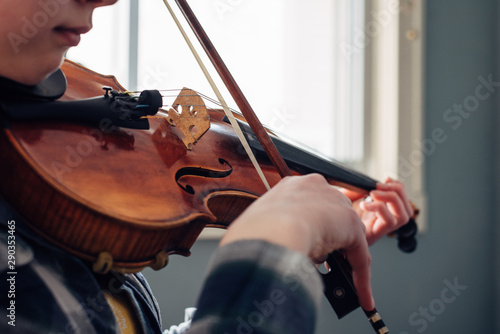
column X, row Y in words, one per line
column 412, row 294
column 496, row 177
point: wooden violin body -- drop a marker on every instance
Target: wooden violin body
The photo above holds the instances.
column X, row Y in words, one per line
column 127, row 198
column 130, row 193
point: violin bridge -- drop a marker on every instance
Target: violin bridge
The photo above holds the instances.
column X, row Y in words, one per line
column 190, row 116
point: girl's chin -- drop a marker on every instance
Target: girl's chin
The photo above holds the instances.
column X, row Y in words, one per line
column 33, row 63
column 38, row 73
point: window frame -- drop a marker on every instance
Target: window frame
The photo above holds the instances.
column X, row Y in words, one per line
column 394, row 112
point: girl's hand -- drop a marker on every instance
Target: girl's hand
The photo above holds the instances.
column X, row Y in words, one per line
column 389, row 210
column 306, row 214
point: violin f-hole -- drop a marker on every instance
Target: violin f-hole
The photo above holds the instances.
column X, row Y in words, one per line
column 201, row 172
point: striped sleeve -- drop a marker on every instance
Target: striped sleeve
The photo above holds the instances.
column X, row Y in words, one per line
column 257, row 287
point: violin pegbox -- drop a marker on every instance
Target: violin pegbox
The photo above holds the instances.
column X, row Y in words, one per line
column 190, row 116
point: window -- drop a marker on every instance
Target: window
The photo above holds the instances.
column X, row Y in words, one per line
column 285, row 56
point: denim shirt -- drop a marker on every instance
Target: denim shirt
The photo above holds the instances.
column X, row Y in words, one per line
column 251, row 287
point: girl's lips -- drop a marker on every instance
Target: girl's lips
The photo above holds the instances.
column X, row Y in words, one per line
column 70, row 36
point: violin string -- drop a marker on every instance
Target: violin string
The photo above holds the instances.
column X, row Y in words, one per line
column 179, row 94
column 197, row 93
column 229, row 114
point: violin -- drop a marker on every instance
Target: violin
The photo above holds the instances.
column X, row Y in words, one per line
column 123, row 193
column 122, row 183
column 136, row 187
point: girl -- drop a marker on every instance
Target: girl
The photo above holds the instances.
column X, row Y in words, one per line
column 262, row 278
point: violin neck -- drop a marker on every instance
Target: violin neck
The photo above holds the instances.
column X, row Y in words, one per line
column 304, row 162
